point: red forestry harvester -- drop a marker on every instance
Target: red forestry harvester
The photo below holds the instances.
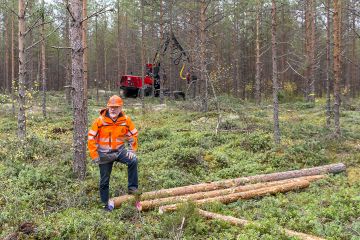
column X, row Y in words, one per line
column 131, row 85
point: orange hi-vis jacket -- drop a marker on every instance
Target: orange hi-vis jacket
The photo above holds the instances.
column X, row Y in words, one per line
column 106, row 135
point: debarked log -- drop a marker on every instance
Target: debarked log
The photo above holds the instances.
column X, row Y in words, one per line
column 244, row 195
column 150, row 204
column 228, row 183
column 243, row 222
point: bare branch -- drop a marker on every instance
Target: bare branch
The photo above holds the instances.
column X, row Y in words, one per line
column 36, row 43
column 31, row 27
column 295, row 70
column 57, row 47
column 101, row 11
column 68, row 8
column 263, row 52
column 38, row 25
column 215, row 21
column 10, row 9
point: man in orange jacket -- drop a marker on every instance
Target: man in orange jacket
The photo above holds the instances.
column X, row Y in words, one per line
column 106, row 142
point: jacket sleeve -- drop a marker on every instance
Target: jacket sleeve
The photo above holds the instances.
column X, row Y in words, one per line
column 132, row 135
column 92, row 145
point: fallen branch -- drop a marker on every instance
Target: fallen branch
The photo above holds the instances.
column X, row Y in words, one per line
column 150, row 204
column 204, row 187
column 242, row 222
column 244, row 195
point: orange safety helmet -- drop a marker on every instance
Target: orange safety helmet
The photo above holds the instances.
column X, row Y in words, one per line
column 115, row 101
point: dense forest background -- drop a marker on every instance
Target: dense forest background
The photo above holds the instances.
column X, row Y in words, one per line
column 233, row 29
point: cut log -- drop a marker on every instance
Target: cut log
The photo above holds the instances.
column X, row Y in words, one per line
column 242, row 222
column 244, row 195
column 204, row 187
column 149, row 204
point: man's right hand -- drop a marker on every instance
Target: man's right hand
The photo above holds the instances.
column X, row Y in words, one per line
column 96, row 160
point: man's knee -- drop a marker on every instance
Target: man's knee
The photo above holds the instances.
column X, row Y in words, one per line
column 133, row 161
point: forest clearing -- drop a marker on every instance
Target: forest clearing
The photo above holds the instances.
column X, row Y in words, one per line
column 231, row 119
column 38, row 185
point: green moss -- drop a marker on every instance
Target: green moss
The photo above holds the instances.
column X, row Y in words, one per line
column 177, row 147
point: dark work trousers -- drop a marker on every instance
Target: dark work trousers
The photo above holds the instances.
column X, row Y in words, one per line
column 105, row 172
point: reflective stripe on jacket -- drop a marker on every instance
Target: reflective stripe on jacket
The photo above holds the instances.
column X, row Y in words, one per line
column 105, row 135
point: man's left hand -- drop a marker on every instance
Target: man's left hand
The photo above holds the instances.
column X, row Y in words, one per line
column 130, row 154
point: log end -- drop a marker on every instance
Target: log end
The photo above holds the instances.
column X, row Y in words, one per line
column 337, row 168
column 138, row 205
column 119, row 200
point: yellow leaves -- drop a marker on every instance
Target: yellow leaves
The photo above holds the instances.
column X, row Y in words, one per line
column 290, row 87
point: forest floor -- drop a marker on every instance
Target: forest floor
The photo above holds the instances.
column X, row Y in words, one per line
column 178, row 146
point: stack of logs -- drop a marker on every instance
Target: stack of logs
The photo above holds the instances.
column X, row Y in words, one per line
column 231, row 190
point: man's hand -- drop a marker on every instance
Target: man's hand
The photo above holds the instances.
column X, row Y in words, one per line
column 130, row 154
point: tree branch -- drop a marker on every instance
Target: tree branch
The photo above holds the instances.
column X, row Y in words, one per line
column 10, row 9
column 68, row 8
column 295, row 70
column 31, row 27
column 101, row 11
column 36, row 43
column 38, row 25
column 56, row 47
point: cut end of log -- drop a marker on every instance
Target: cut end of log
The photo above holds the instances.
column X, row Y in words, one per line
column 138, row 205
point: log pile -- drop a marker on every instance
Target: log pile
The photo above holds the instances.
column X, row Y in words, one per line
column 243, row 192
column 231, row 183
column 231, row 190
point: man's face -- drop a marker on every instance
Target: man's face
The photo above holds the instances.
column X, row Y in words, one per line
column 114, row 111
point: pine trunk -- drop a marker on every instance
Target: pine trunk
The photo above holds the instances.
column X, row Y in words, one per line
column 22, row 73
column 353, row 54
column 310, row 50
column 13, row 64
column 203, row 72
column 43, row 62
column 142, row 55
column 328, row 69
column 274, row 74
column 161, row 93
column 118, row 43
column 97, row 79
column 67, row 60
column 84, row 27
column 125, row 44
column 80, row 128
column 257, row 61
column 6, row 72
column 337, row 65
